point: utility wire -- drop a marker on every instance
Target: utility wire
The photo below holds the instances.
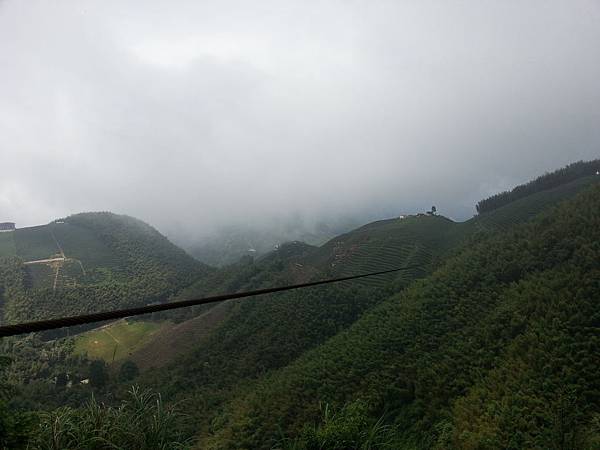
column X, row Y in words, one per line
column 43, row 325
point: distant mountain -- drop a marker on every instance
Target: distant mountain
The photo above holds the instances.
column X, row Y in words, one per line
column 229, row 244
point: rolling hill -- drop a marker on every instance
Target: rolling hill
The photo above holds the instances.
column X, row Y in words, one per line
column 89, row 262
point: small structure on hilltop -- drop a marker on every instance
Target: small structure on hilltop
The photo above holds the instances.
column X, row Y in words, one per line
column 7, row 226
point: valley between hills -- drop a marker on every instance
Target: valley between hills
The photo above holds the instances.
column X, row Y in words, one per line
column 490, row 340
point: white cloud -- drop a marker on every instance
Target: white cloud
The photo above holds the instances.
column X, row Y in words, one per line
column 192, row 115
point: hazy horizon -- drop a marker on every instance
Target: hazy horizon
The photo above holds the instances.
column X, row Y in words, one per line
column 198, row 116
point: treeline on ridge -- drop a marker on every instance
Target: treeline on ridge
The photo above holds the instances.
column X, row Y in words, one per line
column 547, row 181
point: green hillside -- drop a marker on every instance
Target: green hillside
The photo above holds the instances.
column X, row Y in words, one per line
column 85, row 244
column 7, row 244
column 526, row 208
column 387, row 244
column 247, row 341
column 548, row 181
column 117, row 340
column 35, row 243
column 414, row 241
column 91, row 262
column 423, row 240
column 405, row 360
column 499, row 348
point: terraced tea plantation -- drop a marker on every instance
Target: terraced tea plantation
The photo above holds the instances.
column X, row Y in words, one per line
column 384, row 245
column 35, row 243
column 87, row 258
column 83, row 245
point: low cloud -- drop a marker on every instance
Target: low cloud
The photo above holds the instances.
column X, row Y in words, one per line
column 198, row 115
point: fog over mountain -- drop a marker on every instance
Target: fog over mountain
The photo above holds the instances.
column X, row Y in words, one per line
column 198, row 115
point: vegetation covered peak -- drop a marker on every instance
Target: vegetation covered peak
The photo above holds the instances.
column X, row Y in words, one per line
column 547, row 181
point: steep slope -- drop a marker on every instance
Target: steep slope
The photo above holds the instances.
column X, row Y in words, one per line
column 414, row 241
column 194, row 325
column 211, row 356
column 499, row 348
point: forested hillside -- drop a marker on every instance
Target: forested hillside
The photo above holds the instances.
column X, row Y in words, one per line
column 499, row 348
column 97, row 261
column 240, row 342
column 494, row 323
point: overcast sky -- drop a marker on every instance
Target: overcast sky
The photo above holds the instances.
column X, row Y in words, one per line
column 194, row 115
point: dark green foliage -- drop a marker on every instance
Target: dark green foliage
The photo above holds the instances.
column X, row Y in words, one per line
column 547, row 181
column 98, row 374
column 526, row 208
column 35, row 243
column 349, row 428
column 38, row 371
column 125, row 263
column 7, row 244
column 85, row 244
column 144, row 250
column 258, row 337
column 500, row 348
column 497, row 349
column 12, row 285
column 14, row 427
column 141, row 422
column 128, row 371
column 387, row 244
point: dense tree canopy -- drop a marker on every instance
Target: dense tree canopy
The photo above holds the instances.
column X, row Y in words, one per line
column 498, row 349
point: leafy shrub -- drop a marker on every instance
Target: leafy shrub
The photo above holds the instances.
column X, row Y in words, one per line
column 142, row 422
column 352, row 427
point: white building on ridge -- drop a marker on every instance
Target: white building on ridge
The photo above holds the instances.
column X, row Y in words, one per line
column 7, row 226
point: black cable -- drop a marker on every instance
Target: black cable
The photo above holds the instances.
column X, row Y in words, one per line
column 43, row 325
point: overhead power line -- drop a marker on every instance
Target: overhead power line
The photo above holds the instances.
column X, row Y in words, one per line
column 44, row 325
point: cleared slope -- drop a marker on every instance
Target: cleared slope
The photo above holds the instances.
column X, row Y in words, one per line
column 117, row 340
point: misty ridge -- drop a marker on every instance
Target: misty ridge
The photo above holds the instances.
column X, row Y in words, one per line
column 202, row 117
